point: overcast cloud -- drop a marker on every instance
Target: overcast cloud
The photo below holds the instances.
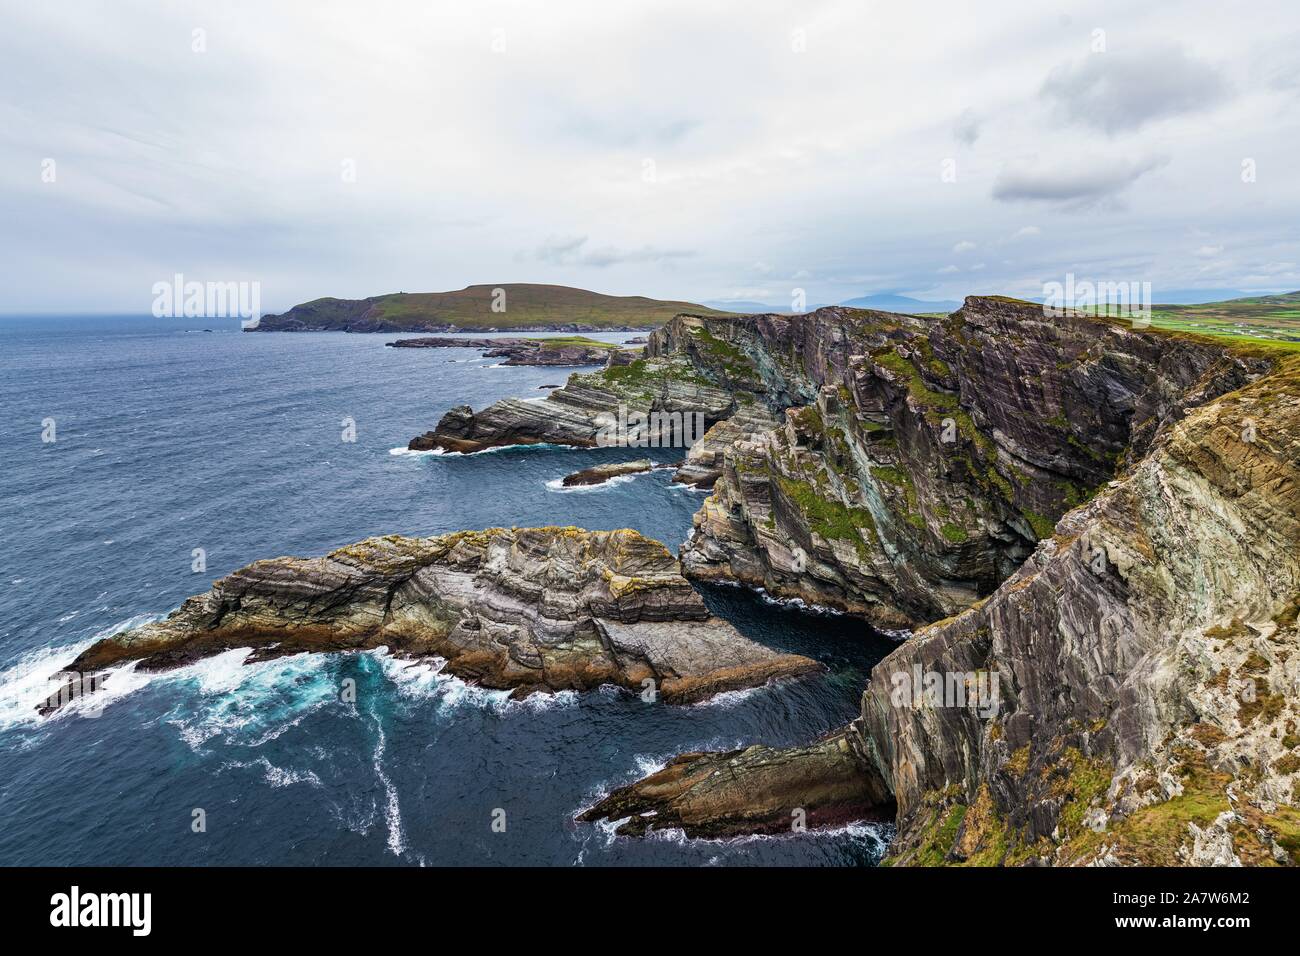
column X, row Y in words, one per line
column 672, row 149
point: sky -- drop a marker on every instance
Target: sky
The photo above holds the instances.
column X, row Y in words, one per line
column 684, row 150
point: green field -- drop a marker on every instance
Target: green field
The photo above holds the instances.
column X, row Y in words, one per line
column 1260, row 320
column 564, row 341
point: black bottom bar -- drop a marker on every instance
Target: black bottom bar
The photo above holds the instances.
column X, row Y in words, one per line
column 299, row 905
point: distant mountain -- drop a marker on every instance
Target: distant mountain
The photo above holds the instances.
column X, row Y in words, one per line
column 518, row 307
column 901, row 303
column 744, row 306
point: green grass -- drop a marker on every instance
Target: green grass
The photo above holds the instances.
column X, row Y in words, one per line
column 642, row 379
column 829, row 518
column 566, row 341
column 1272, row 320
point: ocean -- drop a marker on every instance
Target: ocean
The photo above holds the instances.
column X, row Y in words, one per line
column 169, row 438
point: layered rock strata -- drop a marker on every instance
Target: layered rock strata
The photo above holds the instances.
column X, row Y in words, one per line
column 1107, row 520
column 929, row 456
column 638, row 403
column 525, row 609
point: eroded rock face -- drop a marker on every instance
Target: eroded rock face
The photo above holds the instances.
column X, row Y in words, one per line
column 1147, row 657
column 528, row 609
column 1145, row 651
column 931, row 455
column 705, row 461
column 627, row 389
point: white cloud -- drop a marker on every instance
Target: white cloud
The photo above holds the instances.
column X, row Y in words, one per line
column 624, row 147
column 964, row 245
column 1125, row 89
column 1072, row 178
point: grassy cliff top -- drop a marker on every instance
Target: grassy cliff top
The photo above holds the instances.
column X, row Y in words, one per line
column 1259, row 320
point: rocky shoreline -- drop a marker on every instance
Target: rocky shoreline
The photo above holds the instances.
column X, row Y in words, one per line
column 516, row 351
column 1101, row 521
column 1106, row 523
column 753, row 790
column 1092, row 529
column 529, row 610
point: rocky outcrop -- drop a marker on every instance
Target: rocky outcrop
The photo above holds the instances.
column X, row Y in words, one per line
column 512, row 421
column 753, row 790
column 704, row 461
column 464, row 342
column 524, row 609
column 599, row 474
column 643, row 403
column 919, row 461
column 549, row 352
column 1106, row 520
column 1148, row 666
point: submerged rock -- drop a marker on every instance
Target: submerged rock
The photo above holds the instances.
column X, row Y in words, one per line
column 599, row 474
column 523, row 609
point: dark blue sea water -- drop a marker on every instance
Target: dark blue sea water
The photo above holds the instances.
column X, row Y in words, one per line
column 170, row 439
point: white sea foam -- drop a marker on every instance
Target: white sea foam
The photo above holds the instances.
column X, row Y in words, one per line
column 875, row 835
column 731, row 698
column 392, row 808
column 278, row 777
column 248, row 704
column 678, row 486
column 25, row 685
column 647, row 765
column 439, row 452
column 425, row 679
column 798, row 603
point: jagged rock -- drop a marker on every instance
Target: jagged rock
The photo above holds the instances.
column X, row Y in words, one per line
column 663, row 392
column 511, row 421
column 920, row 460
column 704, row 461
column 525, row 609
column 598, row 474
column 1127, row 572
column 1126, row 642
column 753, row 790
